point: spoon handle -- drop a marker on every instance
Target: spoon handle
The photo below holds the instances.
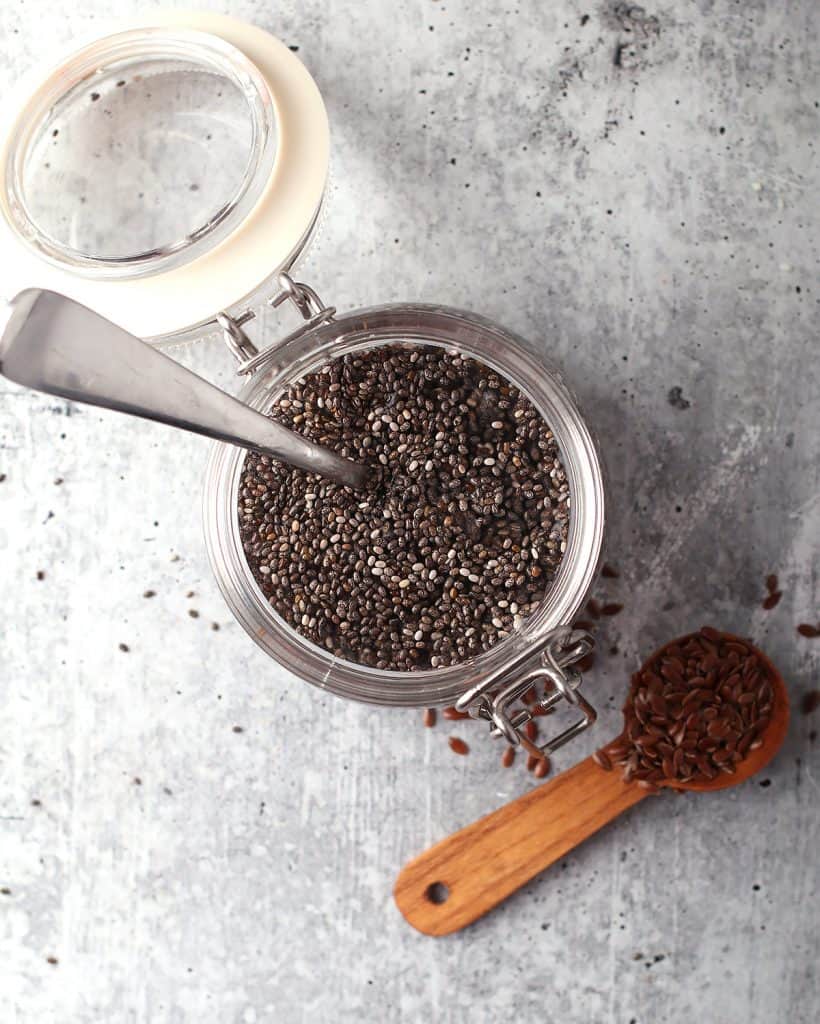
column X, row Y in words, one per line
column 53, row 344
column 487, row 861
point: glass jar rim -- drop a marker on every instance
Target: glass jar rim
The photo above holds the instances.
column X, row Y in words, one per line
column 470, row 335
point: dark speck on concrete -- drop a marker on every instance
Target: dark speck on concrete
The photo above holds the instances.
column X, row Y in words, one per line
column 676, row 399
column 765, row 783
column 294, row 49
column 584, row 19
column 52, row 960
column 756, row 887
column 94, row 97
column 36, row 803
column 194, row 188
column 193, row 613
column 124, row 647
column 137, row 780
column 40, row 574
column 790, row 440
column 238, row 728
column 2, row 477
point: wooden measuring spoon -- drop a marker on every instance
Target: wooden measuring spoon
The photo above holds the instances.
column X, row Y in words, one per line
column 459, row 879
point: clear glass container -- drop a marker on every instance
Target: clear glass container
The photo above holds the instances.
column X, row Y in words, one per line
column 469, row 335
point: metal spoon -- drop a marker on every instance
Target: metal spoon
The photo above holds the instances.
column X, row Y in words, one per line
column 459, row 879
column 53, row 344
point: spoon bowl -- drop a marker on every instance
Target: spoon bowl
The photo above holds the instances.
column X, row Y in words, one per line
column 772, row 738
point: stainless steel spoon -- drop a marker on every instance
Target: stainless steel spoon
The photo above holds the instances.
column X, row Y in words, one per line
column 53, row 344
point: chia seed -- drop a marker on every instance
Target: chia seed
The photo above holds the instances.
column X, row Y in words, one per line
column 457, row 542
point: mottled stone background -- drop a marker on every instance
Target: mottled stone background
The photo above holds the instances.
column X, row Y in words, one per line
column 643, row 206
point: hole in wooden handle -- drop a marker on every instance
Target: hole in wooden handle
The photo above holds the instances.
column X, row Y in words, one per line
column 437, row 892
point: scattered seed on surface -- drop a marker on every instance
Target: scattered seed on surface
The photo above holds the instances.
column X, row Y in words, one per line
column 542, row 769
column 611, row 609
column 772, row 599
column 193, row 613
column 429, row 717
column 508, row 757
column 238, row 728
column 807, row 630
column 609, row 572
column 52, row 960
column 124, row 648
column 771, row 582
column 594, row 608
column 810, row 702
column 453, row 715
column 41, row 574
column 458, row 746
column 150, row 593
column 215, row 627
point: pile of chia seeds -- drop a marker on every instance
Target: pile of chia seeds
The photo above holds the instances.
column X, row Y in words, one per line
column 460, row 536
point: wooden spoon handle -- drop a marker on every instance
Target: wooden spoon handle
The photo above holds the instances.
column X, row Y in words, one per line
column 487, row 861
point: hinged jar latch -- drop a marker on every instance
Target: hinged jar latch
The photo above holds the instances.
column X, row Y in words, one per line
column 494, row 698
column 313, row 311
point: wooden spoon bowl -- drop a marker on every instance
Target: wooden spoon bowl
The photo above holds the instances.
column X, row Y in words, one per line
column 462, row 877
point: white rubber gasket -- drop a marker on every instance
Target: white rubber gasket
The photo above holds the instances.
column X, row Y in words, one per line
column 173, row 301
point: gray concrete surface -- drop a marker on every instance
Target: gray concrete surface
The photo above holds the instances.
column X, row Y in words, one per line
column 649, row 224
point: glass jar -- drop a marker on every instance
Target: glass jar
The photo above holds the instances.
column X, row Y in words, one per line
column 170, row 258
column 507, row 666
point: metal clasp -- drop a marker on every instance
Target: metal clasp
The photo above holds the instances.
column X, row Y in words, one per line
column 303, row 297
column 494, row 698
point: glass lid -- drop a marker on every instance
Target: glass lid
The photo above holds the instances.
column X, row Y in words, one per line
column 162, row 174
column 160, row 147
